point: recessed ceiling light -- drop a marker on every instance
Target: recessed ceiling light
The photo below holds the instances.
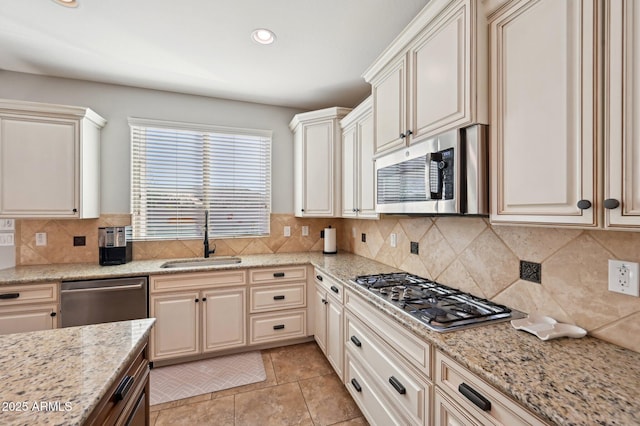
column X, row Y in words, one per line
column 67, row 3
column 263, row 36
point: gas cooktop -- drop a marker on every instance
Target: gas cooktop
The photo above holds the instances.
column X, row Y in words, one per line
column 439, row 307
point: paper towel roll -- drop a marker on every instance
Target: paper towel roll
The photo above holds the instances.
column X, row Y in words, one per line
column 330, row 241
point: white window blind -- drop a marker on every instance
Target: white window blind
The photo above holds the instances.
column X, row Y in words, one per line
column 179, row 170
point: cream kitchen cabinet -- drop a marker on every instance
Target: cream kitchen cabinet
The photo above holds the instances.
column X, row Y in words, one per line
column 49, row 161
column 462, row 398
column 277, row 304
column 29, row 307
column 621, row 110
column 358, row 172
column 544, row 140
column 197, row 313
column 433, row 77
column 329, row 320
column 316, row 169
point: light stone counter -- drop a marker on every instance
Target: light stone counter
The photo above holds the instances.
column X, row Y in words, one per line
column 58, row 377
column 565, row 381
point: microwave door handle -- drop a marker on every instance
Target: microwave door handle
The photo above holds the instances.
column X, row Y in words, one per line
column 427, row 174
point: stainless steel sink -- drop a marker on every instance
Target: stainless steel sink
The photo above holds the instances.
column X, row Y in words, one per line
column 195, row 263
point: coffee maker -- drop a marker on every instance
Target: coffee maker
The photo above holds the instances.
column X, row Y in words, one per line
column 114, row 245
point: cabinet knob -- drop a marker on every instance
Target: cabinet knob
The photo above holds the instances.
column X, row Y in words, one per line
column 611, row 203
column 197, row 300
column 302, row 210
column 584, row 204
column 409, row 132
column 204, row 299
column 354, row 210
column 402, row 136
column 53, row 314
column 75, row 210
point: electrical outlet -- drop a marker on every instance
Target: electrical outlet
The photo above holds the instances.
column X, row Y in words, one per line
column 394, row 240
column 41, row 238
column 7, row 224
column 305, row 231
column 414, row 247
column 79, row 241
column 364, row 238
column 6, row 239
column 531, row 271
column 623, row 277
column 287, row 231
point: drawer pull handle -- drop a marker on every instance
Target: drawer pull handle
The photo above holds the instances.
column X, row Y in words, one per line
column 123, row 388
column 355, row 341
column 278, row 327
column 281, row 297
column 397, row 385
column 476, row 398
column 335, row 289
column 9, row 295
column 319, row 277
column 356, row 385
column 278, row 274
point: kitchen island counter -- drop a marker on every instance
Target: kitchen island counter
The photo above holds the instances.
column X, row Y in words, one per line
column 59, row 377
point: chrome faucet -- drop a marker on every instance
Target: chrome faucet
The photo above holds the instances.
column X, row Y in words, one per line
column 207, row 252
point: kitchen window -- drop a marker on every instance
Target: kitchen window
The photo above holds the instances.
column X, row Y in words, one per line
column 180, row 170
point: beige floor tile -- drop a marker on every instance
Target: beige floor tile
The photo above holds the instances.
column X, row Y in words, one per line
column 152, row 417
column 275, row 406
column 181, row 402
column 299, row 362
column 358, row 421
column 218, row 412
column 328, row 400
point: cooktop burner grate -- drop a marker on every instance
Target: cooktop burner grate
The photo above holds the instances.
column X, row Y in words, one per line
column 440, row 307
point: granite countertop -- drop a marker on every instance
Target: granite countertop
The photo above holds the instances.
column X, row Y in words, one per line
column 59, row 376
column 564, row 381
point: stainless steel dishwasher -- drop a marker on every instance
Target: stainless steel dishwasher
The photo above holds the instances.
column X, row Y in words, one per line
column 97, row 301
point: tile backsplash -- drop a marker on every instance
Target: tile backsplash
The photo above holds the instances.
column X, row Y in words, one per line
column 463, row 252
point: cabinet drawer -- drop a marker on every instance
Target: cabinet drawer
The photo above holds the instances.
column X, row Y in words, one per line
column 21, row 294
column 395, row 379
column 502, row 411
column 196, row 281
column 333, row 287
column 360, row 385
column 278, row 326
column 278, row 297
column 272, row 275
column 415, row 350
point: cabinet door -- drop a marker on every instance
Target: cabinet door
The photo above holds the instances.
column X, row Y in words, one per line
column 542, row 135
column 349, row 171
column 224, row 319
column 38, row 167
column 27, row 318
column 335, row 334
column 318, row 149
column 366, row 169
column 177, row 330
column 622, row 108
column 448, row 413
column 320, row 320
column 389, row 106
column 441, row 74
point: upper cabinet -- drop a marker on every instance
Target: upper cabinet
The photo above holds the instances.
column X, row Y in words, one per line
column 433, row 77
column 317, row 150
column 358, row 172
column 49, row 161
column 622, row 109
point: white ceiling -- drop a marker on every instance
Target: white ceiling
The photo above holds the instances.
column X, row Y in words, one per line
column 203, row 47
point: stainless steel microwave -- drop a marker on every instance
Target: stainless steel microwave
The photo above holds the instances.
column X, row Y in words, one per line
column 447, row 174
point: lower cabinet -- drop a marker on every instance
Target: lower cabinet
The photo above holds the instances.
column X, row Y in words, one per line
column 462, row 398
column 197, row 313
column 329, row 320
column 28, row 307
column 126, row 402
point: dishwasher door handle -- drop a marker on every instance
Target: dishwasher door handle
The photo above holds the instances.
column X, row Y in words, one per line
column 99, row 289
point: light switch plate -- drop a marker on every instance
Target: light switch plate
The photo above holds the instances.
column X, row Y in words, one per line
column 7, row 224
column 41, row 238
column 394, row 240
column 305, row 231
column 623, row 277
column 287, row 231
